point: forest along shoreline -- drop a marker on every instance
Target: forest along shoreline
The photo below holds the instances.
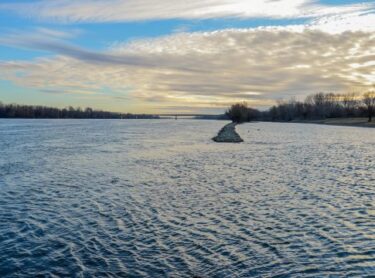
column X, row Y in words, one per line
column 349, row 109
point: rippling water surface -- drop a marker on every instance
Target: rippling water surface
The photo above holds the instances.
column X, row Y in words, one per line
column 92, row 198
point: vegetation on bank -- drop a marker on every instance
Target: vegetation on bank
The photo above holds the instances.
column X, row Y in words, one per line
column 42, row 112
column 240, row 112
column 315, row 107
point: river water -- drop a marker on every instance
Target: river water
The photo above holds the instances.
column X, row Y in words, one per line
column 157, row 198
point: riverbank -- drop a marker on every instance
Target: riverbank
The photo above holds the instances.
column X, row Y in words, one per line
column 355, row 122
column 228, row 134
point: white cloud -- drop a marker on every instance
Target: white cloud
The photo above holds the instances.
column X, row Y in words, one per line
column 208, row 69
column 25, row 38
column 356, row 21
column 135, row 10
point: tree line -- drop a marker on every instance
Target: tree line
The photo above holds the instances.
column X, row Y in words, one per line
column 314, row 107
column 43, row 112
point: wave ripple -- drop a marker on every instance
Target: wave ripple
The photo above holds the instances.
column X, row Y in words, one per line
column 150, row 199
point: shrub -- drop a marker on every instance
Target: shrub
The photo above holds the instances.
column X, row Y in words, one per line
column 240, row 112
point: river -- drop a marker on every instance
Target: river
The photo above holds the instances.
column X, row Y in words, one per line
column 158, row 198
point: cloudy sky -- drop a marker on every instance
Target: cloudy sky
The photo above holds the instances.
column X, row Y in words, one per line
column 196, row 56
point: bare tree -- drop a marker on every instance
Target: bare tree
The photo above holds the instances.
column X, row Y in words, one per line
column 318, row 106
column 39, row 112
column 350, row 102
column 240, row 112
column 369, row 101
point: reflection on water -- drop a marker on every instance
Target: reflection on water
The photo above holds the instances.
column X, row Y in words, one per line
column 158, row 198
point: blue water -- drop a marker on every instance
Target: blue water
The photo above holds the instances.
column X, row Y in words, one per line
column 119, row 198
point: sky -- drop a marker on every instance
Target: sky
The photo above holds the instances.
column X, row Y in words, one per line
column 178, row 56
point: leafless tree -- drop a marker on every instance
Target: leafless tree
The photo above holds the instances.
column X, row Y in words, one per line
column 41, row 112
column 369, row 101
column 240, row 112
column 322, row 106
column 350, row 102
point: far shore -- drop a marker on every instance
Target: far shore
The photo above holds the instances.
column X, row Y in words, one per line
column 354, row 122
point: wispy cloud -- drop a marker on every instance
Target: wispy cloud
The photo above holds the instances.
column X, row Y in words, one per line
column 40, row 38
column 50, row 40
column 207, row 69
column 355, row 21
column 135, row 10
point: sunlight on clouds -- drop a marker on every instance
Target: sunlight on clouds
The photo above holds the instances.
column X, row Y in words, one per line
column 134, row 10
column 206, row 70
column 358, row 21
column 333, row 50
